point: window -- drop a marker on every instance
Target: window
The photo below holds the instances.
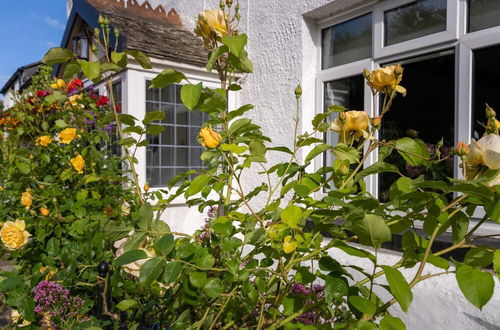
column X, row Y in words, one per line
column 176, row 149
column 347, row 42
column 486, row 86
column 483, row 14
column 450, row 73
column 414, row 20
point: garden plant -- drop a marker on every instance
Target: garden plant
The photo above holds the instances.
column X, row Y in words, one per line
column 89, row 250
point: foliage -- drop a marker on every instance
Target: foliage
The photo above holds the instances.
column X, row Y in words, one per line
column 250, row 266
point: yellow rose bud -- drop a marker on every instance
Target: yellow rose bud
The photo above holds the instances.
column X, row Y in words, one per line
column 462, row 149
column 14, row 235
column 26, row 199
column 376, row 121
column 289, row 244
column 43, row 141
column 146, row 187
column 353, row 128
column 45, row 212
column 67, row 135
column 210, row 138
column 78, row 163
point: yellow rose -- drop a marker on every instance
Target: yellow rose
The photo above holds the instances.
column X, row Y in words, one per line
column 78, row 163
column 43, row 141
column 26, row 199
column 385, row 79
column 146, row 187
column 211, row 139
column 289, row 244
column 73, row 99
column 14, row 235
column 15, row 317
column 58, row 84
column 210, row 22
column 67, row 135
column 352, row 127
column 485, row 152
column 45, row 212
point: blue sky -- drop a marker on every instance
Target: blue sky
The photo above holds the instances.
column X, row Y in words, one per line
column 28, row 28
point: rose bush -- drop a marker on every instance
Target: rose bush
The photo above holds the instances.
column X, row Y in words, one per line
column 252, row 265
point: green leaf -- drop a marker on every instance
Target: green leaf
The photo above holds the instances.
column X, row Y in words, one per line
column 153, row 116
column 119, row 59
column 477, row 286
column 105, row 67
column 291, row 215
column 145, row 216
column 438, row 261
column 198, row 279
column 60, row 123
column 155, row 129
column 213, row 288
column 164, row 245
column 391, row 323
column 190, row 95
column 91, row 70
column 127, row 119
column 378, row 167
column 198, row 184
column 167, row 77
column 27, row 309
column 215, row 55
column 151, row 270
column 479, row 258
column 353, row 251
column 363, row 305
column 320, row 148
column 344, row 152
column 127, row 304
column 399, row 287
column 172, row 272
column 238, row 112
column 237, row 124
column 129, row 256
column 140, row 57
column 57, row 55
column 224, row 229
column 372, row 230
column 411, row 151
column 235, row 44
column 496, row 261
column 71, row 69
column 335, row 288
column 459, row 226
column 256, row 236
column 233, row 148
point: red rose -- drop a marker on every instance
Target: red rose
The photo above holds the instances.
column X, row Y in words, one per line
column 30, row 100
column 103, row 100
column 118, row 108
column 42, row 93
column 75, row 84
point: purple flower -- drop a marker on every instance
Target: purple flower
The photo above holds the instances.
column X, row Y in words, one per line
column 308, row 318
column 90, row 121
column 298, row 288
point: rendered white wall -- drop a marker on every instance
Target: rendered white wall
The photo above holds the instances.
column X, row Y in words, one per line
column 283, row 50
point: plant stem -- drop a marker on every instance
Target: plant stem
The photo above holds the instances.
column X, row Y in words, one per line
column 214, row 322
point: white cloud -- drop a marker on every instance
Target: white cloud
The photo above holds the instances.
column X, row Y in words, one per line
column 53, row 23
column 51, row 44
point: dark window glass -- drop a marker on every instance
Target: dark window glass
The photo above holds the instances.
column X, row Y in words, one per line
column 347, row 92
column 347, row 42
column 486, row 87
column 427, row 112
column 414, row 20
column 483, row 14
column 176, row 149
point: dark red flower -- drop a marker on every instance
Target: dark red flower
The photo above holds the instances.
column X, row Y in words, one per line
column 118, row 108
column 30, row 100
column 42, row 93
column 75, row 84
column 103, row 100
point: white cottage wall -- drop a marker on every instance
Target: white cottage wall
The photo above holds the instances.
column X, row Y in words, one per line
column 283, row 47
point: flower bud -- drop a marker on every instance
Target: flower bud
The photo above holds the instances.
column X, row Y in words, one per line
column 210, row 138
column 229, row 3
column 117, row 32
column 237, row 7
column 45, row 212
column 298, row 92
column 96, row 32
column 342, row 116
column 222, row 5
column 237, row 16
column 366, row 74
column 398, row 70
column 376, row 122
column 343, row 169
column 100, row 20
column 490, row 113
column 146, row 187
column 105, row 21
column 94, row 49
column 462, row 149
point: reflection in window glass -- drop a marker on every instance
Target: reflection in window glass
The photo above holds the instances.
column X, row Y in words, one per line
column 347, row 92
column 414, row 20
column 483, row 14
column 347, row 42
column 486, row 87
column 431, row 89
column 176, row 149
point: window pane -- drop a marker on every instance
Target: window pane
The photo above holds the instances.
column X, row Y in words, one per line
column 427, row 112
column 415, row 20
column 168, row 94
column 167, row 136
column 167, row 156
column 169, row 113
column 182, row 156
column 486, row 86
column 182, row 137
column 195, row 157
column 182, row 115
column 347, row 92
column 483, row 14
column 347, row 42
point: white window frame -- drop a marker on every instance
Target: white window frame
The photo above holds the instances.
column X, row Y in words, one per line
column 455, row 37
